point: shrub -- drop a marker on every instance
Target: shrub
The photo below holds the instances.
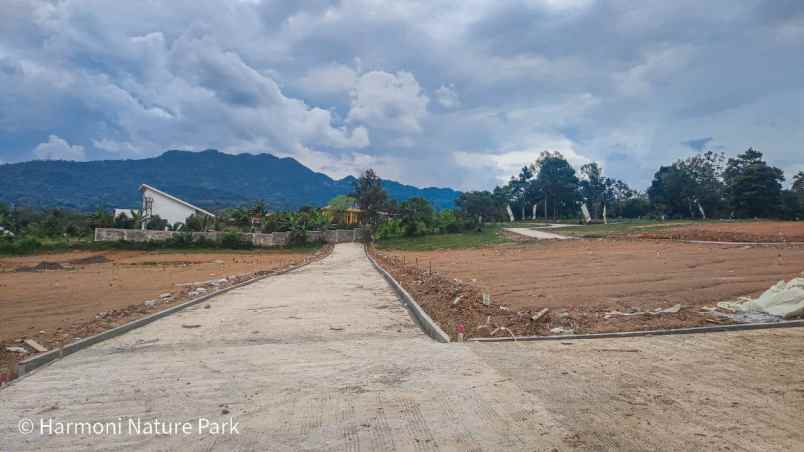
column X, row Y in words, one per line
column 234, row 240
column 391, row 227
column 26, row 245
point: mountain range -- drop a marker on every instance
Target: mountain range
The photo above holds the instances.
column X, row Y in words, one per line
column 209, row 179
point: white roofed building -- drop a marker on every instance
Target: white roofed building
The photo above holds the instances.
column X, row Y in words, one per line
column 167, row 206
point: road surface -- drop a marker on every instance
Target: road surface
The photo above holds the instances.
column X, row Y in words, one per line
column 538, row 235
column 325, row 358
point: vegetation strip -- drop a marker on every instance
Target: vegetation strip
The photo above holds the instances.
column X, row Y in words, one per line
column 674, row 331
column 27, row 365
column 419, row 316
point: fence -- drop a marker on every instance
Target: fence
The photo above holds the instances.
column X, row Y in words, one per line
column 256, row 238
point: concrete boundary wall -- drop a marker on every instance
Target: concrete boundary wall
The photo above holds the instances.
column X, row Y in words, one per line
column 419, row 316
column 256, row 238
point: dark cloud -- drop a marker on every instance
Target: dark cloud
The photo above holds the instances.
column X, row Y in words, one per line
column 435, row 93
column 697, row 144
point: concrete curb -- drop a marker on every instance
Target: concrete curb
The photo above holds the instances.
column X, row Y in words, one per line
column 27, row 365
column 708, row 242
column 419, row 316
column 691, row 330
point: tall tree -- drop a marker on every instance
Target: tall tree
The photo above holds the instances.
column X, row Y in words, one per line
column 370, row 195
column 593, row 187
column 557, row 182
column 669, row 193
column 705, row 174
column 753, row 187
column 692, row 187
column 482, row 205
column 417, row 216
column 798, row 182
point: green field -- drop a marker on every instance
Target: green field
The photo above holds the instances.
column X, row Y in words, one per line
column 488, row 236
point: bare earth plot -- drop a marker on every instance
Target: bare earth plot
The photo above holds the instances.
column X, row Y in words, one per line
column 760, row 231
column 324, row 358
column 50, row 291
column 587, row 278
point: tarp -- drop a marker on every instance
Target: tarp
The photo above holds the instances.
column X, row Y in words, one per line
column 784, row 299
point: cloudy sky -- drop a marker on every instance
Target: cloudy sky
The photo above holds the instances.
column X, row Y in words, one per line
column 453, row 93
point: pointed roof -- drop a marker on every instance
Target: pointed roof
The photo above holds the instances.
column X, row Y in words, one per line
column 180, row 201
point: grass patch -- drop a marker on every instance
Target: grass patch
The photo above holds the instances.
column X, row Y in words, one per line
column 488, row 236
column 618, row 228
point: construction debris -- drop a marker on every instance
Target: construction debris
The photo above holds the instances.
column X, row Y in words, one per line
column 671, row 310
column 561, row 330
column 35, row 345
column 784, row 300
column 14, row 349
column 195, row 325
column 539, row 314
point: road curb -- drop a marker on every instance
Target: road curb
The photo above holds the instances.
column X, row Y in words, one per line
column 27, row 365
column 676, row 331
column 419, row 316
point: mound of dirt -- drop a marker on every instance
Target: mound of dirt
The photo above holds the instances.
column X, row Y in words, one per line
column 97, row 259
column 42, row 266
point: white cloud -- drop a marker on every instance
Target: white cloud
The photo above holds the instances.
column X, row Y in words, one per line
column 506, row 164
column 329, row 79
column 58, row 149
column 447, row 96
column 388, row 101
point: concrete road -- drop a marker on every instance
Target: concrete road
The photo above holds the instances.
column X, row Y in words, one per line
column 324, row 358
column 539, row 235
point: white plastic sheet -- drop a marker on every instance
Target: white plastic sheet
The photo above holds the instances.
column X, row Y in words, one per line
column 784, row 299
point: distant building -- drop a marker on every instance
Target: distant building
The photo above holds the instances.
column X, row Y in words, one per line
column 166, row 206
column 351, row 215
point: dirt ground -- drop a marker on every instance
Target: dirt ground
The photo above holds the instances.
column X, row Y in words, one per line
column 46, row 296
column 583, row 281
column 761, row 231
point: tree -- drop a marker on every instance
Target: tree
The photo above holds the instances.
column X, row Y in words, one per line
column 370, row 195
column 557, row 182
column 669, row 192
column 798, row 189
column 705, row 174
column 416, row 215
column 593, row 187
column 474, row 205
column 798, row 182
column 199, row 222
column 753, row 187
column 691, row 187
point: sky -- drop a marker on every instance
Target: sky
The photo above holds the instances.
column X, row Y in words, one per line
column 432, row 93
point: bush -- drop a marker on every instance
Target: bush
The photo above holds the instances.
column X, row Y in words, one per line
column 233, row 240
column 391, row 227
column 26, row 245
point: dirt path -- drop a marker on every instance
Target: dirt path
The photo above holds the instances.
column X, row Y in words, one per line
column 325, row 358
